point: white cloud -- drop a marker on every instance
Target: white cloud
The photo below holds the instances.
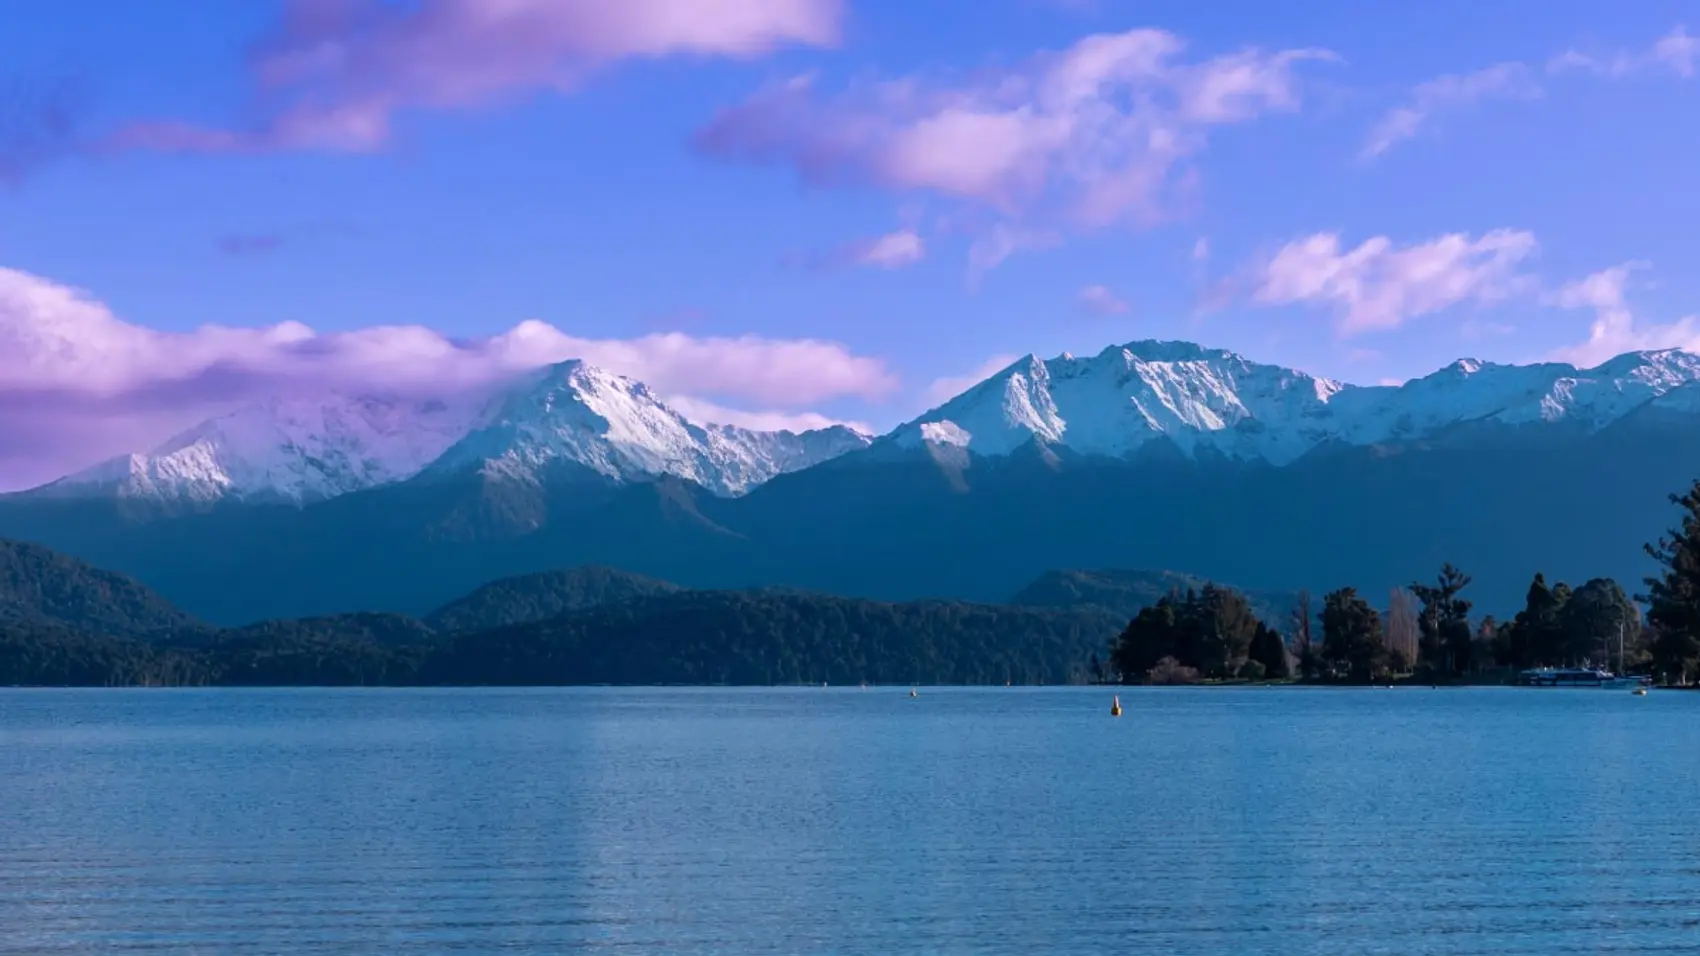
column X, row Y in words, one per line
column 1614, row 330
column 1379, row 285
column 708, row 413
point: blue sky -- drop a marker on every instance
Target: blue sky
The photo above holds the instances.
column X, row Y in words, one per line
column 600, row 205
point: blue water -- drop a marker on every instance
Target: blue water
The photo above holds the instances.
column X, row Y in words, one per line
column 1283, row 821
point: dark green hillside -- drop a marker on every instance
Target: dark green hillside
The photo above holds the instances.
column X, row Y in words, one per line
column 536, row 597
column 36, row 582
column 771, row 637
column 1129, row 592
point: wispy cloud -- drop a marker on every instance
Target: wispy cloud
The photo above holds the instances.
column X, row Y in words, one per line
column 334, row 73
column 893, row 250
column 1676, row 51
column 1101, row 301
column 77, row 383
column 942, row 390
column 1095, row 135
column 1380, row 284
column 1453, row 91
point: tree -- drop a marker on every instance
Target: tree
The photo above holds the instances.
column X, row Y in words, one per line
column 1593, row 619
column 1309, row 656
column 1444, row 622
column 1402, row 631
column 1209, row 630
column 1269, row 652
column 1352, row 639
column 1673, row 597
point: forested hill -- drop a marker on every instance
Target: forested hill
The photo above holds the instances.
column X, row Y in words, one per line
column 757, row 637
column 40, row 584
column 537, row 597
column 781, row 637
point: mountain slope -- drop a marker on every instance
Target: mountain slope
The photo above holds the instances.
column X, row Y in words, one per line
column 42, row 585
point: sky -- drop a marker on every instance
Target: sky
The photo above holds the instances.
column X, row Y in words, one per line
column 783, row 213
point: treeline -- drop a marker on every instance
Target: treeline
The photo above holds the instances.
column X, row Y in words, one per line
column 689, row 637
column 1426, row 631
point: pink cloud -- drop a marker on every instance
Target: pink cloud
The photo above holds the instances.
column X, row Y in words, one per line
column 1378, row 285
column 1614, row 330
column 942, row 390
column 1100, row 131
column 334, row 73
column 78, row 384
column 1101, row 301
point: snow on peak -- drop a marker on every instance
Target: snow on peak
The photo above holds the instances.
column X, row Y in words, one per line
column 616, row 427
column 290, row 450
column 1213, row 400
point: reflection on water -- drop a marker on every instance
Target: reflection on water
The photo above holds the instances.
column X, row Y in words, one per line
column 849, row 821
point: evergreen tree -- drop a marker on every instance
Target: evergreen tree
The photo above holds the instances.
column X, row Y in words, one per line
column 1270, row 652
column 1673, row 597
column 1352, row 639
column 1444, row 622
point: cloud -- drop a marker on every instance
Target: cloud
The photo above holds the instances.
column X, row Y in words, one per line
column 1101, row 301
column 1676, row 51
column 333, row 74
column 78, row 384
column 942, row 390
column 709, row 413
column 1502, row 81
column 1201, row 250
column 892, row 250
column 1095, row 135
column 38, row 124
column 999, row 243
column 1379, row 285
column 1614, row 330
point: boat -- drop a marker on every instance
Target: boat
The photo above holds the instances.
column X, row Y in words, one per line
column 1586, row 676
column 1579, row 677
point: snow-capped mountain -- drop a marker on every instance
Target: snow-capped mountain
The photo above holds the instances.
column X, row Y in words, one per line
column 288, row 450
column 577, row 413
column 1202, row 399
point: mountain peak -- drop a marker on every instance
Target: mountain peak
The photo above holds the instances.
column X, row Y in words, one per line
column 573, row 413
column 289, row 449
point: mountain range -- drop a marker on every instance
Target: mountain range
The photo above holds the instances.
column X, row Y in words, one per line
column 1149, row 454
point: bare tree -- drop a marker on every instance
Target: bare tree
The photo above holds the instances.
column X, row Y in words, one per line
column 1304, row 642
column 1403, row 634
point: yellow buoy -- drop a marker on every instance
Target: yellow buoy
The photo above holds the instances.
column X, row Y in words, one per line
column 1115, row 707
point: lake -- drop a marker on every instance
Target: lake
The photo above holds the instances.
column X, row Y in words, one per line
column 789, row 821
